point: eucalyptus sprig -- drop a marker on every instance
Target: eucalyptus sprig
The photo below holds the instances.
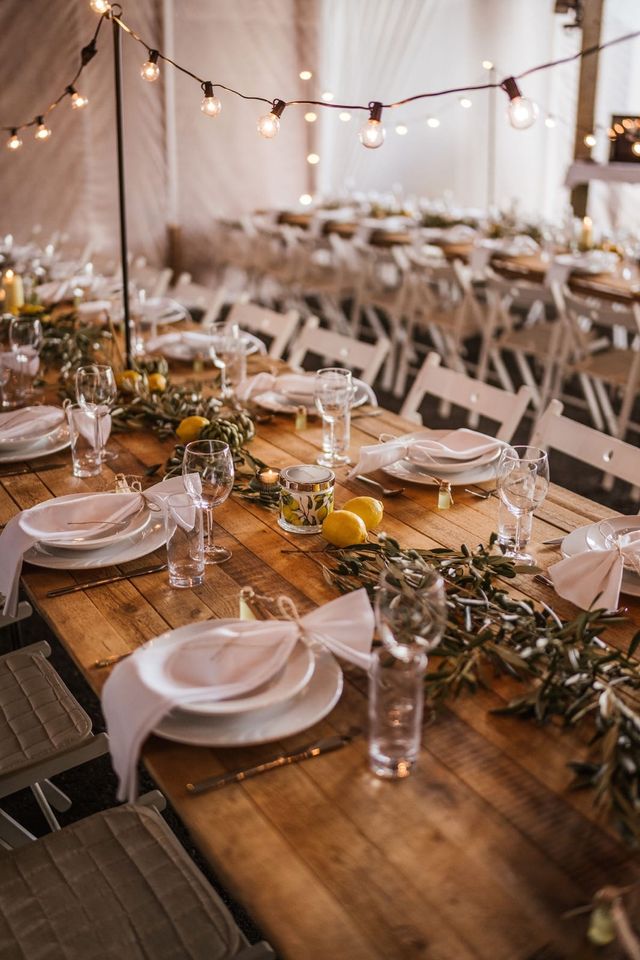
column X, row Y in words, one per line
column 569, row 674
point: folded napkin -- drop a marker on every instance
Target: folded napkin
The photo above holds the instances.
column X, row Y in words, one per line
column 30, row 422
column 594, row 578
column 86, row 425
column 54, row 291
column 225, row 660
column 9, row 360
column 190, row 338
column 48, row 521
column 291, row 385
column 459, row 445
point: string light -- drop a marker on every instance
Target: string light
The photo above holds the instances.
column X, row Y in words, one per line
column 42, row 132
column 522, row 112
column 590, row 141
column 433, row 122
column 306, row 199
column 305, row 75
column 100, row 6
column 311, row 117
column 269, row 125
column 372, row 132
column 77, row 100
column 550, row 122
column 345, row 116
column 465, row 102
column 313, row 158
column 402, row 129
column 327, row 96
column 211, row 105
column 150, row 70
column 635, row 148
column 14, row 142
column 487, row 65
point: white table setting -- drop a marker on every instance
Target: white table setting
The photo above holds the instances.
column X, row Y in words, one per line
column 32, row 432
column 190, row 344
column 286, row 392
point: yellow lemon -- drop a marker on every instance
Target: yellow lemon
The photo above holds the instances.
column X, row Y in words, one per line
column 157, row 383
column 368, row 509
column 343, row 528
column 128, row 380
column 190, row 428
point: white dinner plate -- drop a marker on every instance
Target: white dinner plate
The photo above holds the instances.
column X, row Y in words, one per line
column 151, row 538
column 162, row 310
column 137, row 523
column 447, row 466
column 620, row 525
column 33, row 434
column 295, row 675
column 56, row 441
column 576, row 542
column 309, row 706
column 184, row 350
column 456, row 473
column 279, row 402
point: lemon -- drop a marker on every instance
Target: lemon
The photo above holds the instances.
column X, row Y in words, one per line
column 128, row 380
column 189, row 429
column 157, row 383
column 368, row 509
column 343, row 528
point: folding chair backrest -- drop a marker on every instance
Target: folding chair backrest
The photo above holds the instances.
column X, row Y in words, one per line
column 589, row 311
column 501, row 406
column 342, row 350
column 612, row 456
column 195, row 296
column 279, row 327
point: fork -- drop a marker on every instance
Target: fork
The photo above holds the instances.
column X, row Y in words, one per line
column 385, row 491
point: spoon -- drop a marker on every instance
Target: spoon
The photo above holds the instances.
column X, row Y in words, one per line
column 385, row 491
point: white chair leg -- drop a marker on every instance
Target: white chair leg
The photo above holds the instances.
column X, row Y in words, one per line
column 43, row 803
column 12, row 834
column 605, row 406
column 503, row 374
column 529, row 379
column 58, row 800
column 594, row 409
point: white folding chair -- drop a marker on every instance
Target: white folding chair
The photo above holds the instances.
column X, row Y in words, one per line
column 480, row 399
column 194, row 296
column 613, row 456
column 279, row 328
column 153, row 280
column 345, row 351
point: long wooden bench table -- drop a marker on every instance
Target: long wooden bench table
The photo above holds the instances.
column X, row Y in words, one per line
column 477, row 855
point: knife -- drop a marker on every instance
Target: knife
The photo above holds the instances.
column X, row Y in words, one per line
column 327, row 745
column 101, row 583
column 42, row 469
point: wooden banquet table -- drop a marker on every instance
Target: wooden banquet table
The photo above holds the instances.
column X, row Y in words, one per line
column 476, row 855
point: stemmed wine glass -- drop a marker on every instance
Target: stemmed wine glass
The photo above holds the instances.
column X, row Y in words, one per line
column 333, row 394
column 208, row 472
column 96, row 392
column 228, row 352
column 522, row 481
column 25, row 339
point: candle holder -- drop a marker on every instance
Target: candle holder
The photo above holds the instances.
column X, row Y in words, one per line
column 306, row 497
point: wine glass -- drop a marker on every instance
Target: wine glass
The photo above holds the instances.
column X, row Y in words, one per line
column 207, row 469
column 333, row 393
column 410, row 608
column 228, row 352
column 25, row 339
column 522, row 481
column 96, row 392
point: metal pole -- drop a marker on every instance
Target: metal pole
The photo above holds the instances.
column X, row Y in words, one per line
column 117, row 65
column 491, row 146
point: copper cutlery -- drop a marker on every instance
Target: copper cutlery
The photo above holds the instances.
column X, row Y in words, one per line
column 385, row 491
column 105, row 580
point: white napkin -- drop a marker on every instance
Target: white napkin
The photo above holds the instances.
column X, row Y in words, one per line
column 86, row 425
column 33, row 422
column 595, row 576
column 54, row 291
column 48, row 521
column 9, row 360
column 190, row 338
column 231, row 660
column 459, row 445
column 286, row 383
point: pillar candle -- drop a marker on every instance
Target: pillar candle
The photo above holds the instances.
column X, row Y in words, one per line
column 13, row 292
column 586, row 237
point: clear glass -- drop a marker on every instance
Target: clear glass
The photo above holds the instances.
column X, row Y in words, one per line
column 410, row 608
column 228, row 351
column 507, row 527
column 96, row 392
column 522, row 481
column 85, row 455
column 185, row 541
column 25, row 340
column 625, row 537
column 208, row 472
column 333, row 395
column 396, row 701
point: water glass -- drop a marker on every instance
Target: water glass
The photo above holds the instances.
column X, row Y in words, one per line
column 396, row 700
column 208, row 472
column 185, row 541
column 96, row 392
column 507, row 527
column 228, row 351
column 522, row 481
column 85, row 454
column 410, row 607
column 25, row 339
column 333, row 395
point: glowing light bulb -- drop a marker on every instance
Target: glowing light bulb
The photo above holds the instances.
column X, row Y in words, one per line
column 211, row 105
column 487, row 65
column 77, row 100
column 550, row 122
column 465, row 103
column 522, row 113
column 305, row 75
column 269, row 124
column 150, row 70
column 635, row 149
column 42, row 132
column 311, row 117
column 306, row 199
column 313, row 158
column 345, row 116
column 590, row 141
column 433, row 122
column 372, row 132
column 14, row 142
column 402, row 130
column 100, row 6
column 327, row 96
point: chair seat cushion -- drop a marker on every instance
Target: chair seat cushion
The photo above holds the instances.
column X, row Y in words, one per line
column 116, row 885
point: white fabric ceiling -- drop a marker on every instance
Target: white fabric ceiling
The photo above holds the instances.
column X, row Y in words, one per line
column 361, row 50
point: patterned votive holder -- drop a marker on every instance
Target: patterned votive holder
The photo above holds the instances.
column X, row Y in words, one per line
column 306, row 497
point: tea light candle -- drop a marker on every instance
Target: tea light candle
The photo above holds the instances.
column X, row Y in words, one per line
column 268, row 478
column 13, row 291
column 586, row 237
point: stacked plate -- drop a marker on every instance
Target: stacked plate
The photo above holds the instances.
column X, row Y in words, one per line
column 303, row 692
column 453, row 463
column 285, row 398
column 142, row 533
column 32, row 432
column 190, row 344
column 598, row 536
column 160, row 310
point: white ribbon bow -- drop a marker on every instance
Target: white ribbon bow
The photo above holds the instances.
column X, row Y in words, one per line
column 595, row 576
